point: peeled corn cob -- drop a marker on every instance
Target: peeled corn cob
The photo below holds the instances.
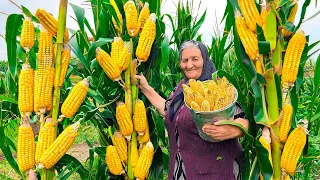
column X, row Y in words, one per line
column 60, row 146
column 205, row 106
column 258, row 67
column 65, row 63
column 285, row 124
column 195, row 106
column 45, row 139
column 263, row 17
column 113, row 161
column 116, row 50
column 25, row 97
column 117, row 27
column 250, row 13
column 145, row 137
column 109, row 67
column 121, row 146
column 45, row 52
column 27, row 34
column 144, row 15
column 124, row 120
column 131, row 18
column 125, row 57
column 75, row 98
column 140, row 117
column 146, row 39
column 145, row 160
column 26, row 146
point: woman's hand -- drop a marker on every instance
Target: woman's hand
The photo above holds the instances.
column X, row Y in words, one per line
column 142, row 82
column 226, row 131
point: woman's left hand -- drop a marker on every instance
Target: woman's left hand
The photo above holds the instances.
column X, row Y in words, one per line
column 222, row 132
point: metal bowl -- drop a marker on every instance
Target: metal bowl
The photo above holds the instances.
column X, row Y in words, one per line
column 209, row 117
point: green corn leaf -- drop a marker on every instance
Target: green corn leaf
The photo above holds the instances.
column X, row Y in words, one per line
column 263, row 159
column 94, row 45
column 164, row 53
column 75, row 164
column 79, row 12
column 27, row 12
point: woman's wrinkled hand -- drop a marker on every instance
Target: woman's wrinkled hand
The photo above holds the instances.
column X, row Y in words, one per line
column 221, row 132
column 142, row 82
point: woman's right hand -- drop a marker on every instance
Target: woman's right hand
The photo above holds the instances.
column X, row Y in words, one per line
column 142, row 82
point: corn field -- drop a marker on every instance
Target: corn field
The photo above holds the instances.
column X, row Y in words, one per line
column 261, row 52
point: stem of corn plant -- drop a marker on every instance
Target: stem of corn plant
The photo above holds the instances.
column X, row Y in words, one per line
column 48, row 174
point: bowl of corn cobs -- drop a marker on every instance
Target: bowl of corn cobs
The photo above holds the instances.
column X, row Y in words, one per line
column 209, row 101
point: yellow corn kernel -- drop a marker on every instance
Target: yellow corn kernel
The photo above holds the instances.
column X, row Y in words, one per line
column 65, row 64
column 198, row 98
column 46, row 137
column 291, row 18
column 145, row 137
column 209, row 96
column 248, row 38
column 124, row 119
column 144, row 15
column 131, row 18
column 292, row 150
column 27, row 34
column 75, row 98
column 285, row 124
column 60, row 146
column 121, row 146
column 25, row 96
column 125, row 57
column 258, row 66
column 113, row 161
column 251, row 14
column 146, row 39
column 195, row 106
column 117, row 27
column 140, row 117
column 26, row 146
column 116, row 50
column 292, row 57
column 145, row 160
column 188, row 97
column 50, row 23
column 45, row 52
column 109, row 67
column 263, row 17
column 205, row 106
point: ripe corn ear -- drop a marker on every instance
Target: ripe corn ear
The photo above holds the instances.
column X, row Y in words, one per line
column 25, row 97
column 146, row 39
column 65, row 63
column 144, row 15
column 285, row 124
column 116, row 50
column 45, row 52
column 26, row 146
column 145, row 160
column 195, row 106
column 124, row 119
column 45, row 139
column 140, row 117
column 75, row 98
column 121, row 146
column 117, row 27
column 109, row 67
column 291, row 18
column 27, row 34
column 60, row 146
column 131, row 18
column 125, row 57
column 251, row 14
column 263, row 17
column 145, row 137
column 113, row 161
column 205, row 106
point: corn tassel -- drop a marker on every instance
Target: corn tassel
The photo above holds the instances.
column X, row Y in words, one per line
column 75, row 98
column 45, row 52
column 60, row 146
column 26, row 146
column 65, row 63
column 25, row 97
column 144, row 15
column 121, row 146
column 109, row 67
column 124, row 120
column 116, row 26
column 50, row 23
column 140, row 117
column 116, row 51
column 248, row 38
column 46, row 138
column 291, row 18
column 113, row 161
column 146, row 39
column 27, row 34
column 285, row 124
column 131, row 18
column 251, row 14
column 292, row 58
column 145, row 160
column 293, row 149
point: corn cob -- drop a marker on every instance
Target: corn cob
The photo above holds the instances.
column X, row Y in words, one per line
column 131, row 18
column 140, row 117
column 75, row 98
column 133, row 71
column 195, row 106
column 263, row 17
column 26, row 146
column 25, row 97
column 27, row 34
column 125, row 57
column 110, row 68
column 124, row 120
column 251, row 14
column 65, row 64
column 291, row 18
column 265, row 141
column 197, row 97
column 146, row 39
column 205, row 106
column 285, row 124
column 121, row 146
column 188, row 97
column 116, row 26
column 113, row 161
column 144, row 15
column 248, row 38
column 292, row 150
column 45, row 52
column 60, row 146
column 258, row 67
column 50, row 23
column 145, row 137
column 45, row 139
column 116, row 50
column 145, row 160
column 292, row 58
column 209, row 96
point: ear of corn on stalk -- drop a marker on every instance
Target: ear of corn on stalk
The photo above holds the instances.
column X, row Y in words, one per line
column 131, row 18
column 285, row 124
column 116, row 50
column 144, row 15
column 263, row 17
column 25, row 96
column 124, row 119
column 65, row 64
column 117, row 27
column 145, row 137
column 121, row 146
column 146, row 39
column 60, row 146
column 75, row 98
column 258, row 67
column 109, row 67
column 140, row 117
column 291, row 18
column 45, row 52
column 125, row 57
column 251, row 14
column 27, row 34
column 113, row 161
column 145, row 160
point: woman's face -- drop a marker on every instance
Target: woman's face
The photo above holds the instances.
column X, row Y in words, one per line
column 191, row 62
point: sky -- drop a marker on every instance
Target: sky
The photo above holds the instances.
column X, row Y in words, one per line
column 215, row 10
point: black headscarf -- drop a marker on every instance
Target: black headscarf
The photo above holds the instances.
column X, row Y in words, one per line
column 207, row 70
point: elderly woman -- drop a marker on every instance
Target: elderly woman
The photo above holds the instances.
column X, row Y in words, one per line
column 191, row 157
